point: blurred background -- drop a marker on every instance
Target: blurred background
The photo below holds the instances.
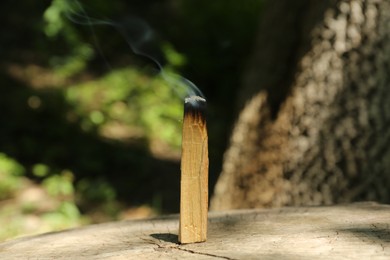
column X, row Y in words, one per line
column 90, row 132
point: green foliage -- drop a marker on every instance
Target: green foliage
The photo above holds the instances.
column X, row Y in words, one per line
column 58, row 27
column 40, row 170
column 174, row 58
column 10, row 166
column 51, row 207
column 10, row 172
column 65, row 216
column 130, row 98
column 53, row 17
column 59, row 185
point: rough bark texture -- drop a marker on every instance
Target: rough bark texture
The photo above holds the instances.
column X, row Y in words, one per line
column 315, row 128
column 358, row 231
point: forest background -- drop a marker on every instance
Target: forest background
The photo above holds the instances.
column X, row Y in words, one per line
column 90, row 130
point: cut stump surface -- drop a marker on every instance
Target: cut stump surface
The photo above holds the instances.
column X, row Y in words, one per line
column 355, row 231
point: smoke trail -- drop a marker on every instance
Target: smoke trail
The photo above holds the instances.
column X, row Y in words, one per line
column 141, row 39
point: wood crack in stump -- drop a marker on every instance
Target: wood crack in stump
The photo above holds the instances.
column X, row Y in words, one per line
column 201, row 253
column 162, row 245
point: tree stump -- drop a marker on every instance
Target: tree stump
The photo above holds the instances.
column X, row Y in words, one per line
column 354, row 231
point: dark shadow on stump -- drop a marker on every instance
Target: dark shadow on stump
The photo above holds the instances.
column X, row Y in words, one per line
column 167, row 237
column 372, row 234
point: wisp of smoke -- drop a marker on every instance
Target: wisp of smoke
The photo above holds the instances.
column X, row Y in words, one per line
column 141, row 39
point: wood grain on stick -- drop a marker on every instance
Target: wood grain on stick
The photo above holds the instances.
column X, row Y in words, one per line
column 194, row 173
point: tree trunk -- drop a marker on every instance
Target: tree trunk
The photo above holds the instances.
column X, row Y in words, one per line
column 315, row 128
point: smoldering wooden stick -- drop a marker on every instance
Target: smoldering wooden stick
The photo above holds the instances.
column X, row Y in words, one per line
column 194, row 173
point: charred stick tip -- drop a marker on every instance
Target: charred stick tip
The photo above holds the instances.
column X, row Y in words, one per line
column 195, row 107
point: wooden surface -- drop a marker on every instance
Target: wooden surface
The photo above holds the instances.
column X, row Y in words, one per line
column 357, row 231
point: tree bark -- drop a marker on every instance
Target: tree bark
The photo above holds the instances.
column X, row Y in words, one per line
column 314, row 124
column 357, row 231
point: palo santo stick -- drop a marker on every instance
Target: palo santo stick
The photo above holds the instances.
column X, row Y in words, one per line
column 194, row 173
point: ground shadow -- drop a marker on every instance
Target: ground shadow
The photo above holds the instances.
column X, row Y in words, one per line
column 374, row 234
column 167, row 237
